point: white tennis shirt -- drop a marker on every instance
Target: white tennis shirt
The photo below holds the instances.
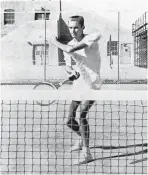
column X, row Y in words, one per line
column 88, row 64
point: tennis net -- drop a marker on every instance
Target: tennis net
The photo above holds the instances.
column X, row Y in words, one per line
column 36, row 140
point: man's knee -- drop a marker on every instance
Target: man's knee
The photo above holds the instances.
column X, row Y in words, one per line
column 69, row 122
column 86, row 108
column 83, row 115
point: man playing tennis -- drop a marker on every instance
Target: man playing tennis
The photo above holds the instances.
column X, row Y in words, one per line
column 84, row 50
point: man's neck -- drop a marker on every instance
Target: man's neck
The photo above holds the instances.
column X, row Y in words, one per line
column 79, row 38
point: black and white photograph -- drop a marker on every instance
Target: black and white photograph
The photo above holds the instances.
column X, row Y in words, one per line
column 74, row 87
column 98, row 46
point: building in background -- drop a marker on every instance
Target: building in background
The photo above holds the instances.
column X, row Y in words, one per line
column 126, row 53
column 17, row 13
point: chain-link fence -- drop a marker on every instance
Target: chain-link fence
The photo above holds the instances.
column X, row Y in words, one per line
column 140, row 33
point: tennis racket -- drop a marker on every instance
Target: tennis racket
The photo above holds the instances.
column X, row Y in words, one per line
column 65, row 85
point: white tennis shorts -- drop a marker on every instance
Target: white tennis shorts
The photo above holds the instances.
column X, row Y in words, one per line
column 83, row 85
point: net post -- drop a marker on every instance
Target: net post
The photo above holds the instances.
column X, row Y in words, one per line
column 60, row 9
column 110, row 50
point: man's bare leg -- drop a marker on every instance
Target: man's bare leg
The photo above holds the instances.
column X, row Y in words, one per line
column 85, row 155
column 73, row 124
column 84, row 126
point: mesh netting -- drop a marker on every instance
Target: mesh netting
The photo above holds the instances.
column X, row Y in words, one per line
column 36, row 140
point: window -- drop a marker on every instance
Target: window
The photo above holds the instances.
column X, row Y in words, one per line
column 114, row 48
column 9, row 16
column 3, row 34
column 39, row 54
column 61, row 59
column 41, row 15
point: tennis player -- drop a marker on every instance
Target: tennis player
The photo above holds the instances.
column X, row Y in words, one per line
column 84, row 50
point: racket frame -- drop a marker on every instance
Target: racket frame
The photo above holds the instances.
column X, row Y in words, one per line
column 46, row 83
column 49, row 84
column 54, row 88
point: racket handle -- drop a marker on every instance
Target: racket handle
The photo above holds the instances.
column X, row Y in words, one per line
column 64, row 82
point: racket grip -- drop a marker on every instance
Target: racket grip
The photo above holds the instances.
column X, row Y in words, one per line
column 64, row 82
column 69, row 79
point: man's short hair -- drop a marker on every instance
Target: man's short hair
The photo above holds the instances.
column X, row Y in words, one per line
column 80, row 19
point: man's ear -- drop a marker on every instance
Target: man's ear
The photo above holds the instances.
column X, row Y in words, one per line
column 83, row 27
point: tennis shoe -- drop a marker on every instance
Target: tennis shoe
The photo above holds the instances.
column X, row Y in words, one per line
column 78, row 146
column 83, row 159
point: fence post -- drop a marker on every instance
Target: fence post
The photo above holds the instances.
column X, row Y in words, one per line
column 118, row 45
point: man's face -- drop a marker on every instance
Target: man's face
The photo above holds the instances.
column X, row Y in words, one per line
column 76, row 30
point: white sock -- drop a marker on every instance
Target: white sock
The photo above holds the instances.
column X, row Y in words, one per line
column 86, row 150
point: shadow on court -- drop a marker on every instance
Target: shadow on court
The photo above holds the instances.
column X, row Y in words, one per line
column 140, row 160
column 122, row 155
column 119, row 147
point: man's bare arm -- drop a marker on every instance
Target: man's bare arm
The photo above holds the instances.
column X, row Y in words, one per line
column 81, row 45
column 67, row 48
column 69, row 69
